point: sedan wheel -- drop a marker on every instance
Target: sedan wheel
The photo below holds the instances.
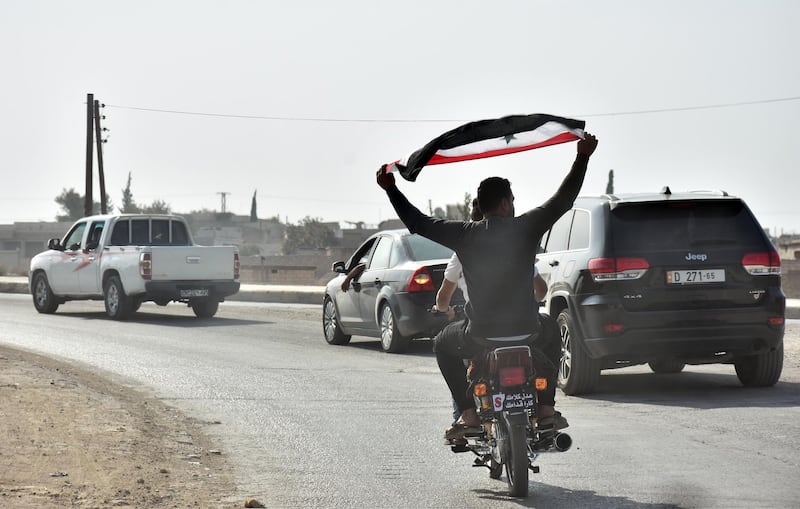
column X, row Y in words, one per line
column 391, row 339
column 330, row 324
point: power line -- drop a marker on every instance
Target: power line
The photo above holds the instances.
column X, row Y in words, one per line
column 269, row 117
column 691, row 108
column 432, row 120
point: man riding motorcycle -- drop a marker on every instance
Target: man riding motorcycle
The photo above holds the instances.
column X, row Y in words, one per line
column 497, row 255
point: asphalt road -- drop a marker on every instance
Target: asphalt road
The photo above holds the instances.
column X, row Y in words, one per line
column 305, row 424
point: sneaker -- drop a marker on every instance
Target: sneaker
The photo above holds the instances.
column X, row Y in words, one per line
column 459, row 430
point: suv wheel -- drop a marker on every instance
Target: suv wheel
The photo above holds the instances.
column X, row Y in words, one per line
column 664, row 367
column 577, row 372
column 761, row 370
column 391, row 340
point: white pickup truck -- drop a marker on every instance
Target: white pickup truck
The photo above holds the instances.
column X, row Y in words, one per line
column 128, row 259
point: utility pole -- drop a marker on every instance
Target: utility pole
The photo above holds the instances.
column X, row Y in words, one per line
column 222, row 195
column 99, row 138
column 87, row 199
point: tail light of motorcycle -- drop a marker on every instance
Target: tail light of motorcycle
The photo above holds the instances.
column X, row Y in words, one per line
column 482, row 399
column 541, row 384
column 512, row 376
column 512, row 365
column 421, row 281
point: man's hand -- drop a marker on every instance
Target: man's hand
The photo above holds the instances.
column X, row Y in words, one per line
column 353, row 274
column 587, row 145
column 385, row 178
column 450, row 312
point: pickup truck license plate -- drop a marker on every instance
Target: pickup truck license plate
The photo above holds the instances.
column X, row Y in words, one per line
column 513, row 401
column 690, row 277
column 195, row 292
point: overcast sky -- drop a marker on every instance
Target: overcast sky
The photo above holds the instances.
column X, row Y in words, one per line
column 302, row 101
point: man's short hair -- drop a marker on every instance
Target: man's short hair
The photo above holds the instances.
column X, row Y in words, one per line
column 491, row 192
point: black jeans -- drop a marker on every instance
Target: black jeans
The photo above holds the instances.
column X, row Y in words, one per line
column 452, row 345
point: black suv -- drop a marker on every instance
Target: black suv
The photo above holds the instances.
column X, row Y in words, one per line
column 664, row 279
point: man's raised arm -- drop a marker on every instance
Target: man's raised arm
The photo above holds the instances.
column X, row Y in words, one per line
column 565, row 196
column 438, row 230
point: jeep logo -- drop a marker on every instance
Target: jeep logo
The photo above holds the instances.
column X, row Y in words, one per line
column 700, row 257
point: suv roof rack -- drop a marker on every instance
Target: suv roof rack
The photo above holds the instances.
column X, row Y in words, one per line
column 716, row 192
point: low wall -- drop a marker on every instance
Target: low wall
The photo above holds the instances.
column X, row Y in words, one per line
column 790, row 278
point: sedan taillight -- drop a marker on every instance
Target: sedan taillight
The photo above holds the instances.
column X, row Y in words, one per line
column 421, row 281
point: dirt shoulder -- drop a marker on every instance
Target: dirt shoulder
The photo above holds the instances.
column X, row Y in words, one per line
column 70, row 438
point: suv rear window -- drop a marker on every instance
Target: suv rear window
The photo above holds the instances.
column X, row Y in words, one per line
column 665, row 226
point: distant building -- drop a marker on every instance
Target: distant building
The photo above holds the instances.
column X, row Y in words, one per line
column 21, row 241
column 788, row 246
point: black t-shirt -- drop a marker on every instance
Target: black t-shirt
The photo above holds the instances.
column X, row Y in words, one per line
column 496, row 255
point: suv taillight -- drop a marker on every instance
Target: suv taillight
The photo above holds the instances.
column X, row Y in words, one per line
column 146, row 266
column 762, row 264
column 421, row 281
column 617, row 269
column 236, row 266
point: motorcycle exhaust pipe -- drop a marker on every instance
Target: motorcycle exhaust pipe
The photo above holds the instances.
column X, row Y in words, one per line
column 562, row 442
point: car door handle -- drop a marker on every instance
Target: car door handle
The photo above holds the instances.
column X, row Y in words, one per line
column 356, row 286
column 554, row 263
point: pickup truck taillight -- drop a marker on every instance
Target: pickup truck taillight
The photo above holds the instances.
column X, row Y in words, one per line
column 146, row 266
column 236, row 266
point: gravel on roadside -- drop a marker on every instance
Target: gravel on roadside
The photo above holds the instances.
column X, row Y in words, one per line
column 71, row 438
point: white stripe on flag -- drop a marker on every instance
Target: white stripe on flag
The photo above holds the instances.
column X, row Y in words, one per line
column 542, row 133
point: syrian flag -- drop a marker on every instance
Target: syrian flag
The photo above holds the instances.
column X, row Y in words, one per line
column 489, row 138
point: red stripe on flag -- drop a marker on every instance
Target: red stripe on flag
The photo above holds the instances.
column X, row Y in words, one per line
column 561, row 138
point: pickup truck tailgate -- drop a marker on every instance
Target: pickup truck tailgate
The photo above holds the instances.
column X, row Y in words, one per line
column 177, row 263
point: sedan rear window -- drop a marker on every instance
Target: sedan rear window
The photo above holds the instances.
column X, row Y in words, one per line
column 421, row 248
column 679, row 225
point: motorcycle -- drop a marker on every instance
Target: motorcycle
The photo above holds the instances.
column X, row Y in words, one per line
column 504, row 381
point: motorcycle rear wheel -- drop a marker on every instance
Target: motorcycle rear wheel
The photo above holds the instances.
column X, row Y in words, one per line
column 515, row 453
